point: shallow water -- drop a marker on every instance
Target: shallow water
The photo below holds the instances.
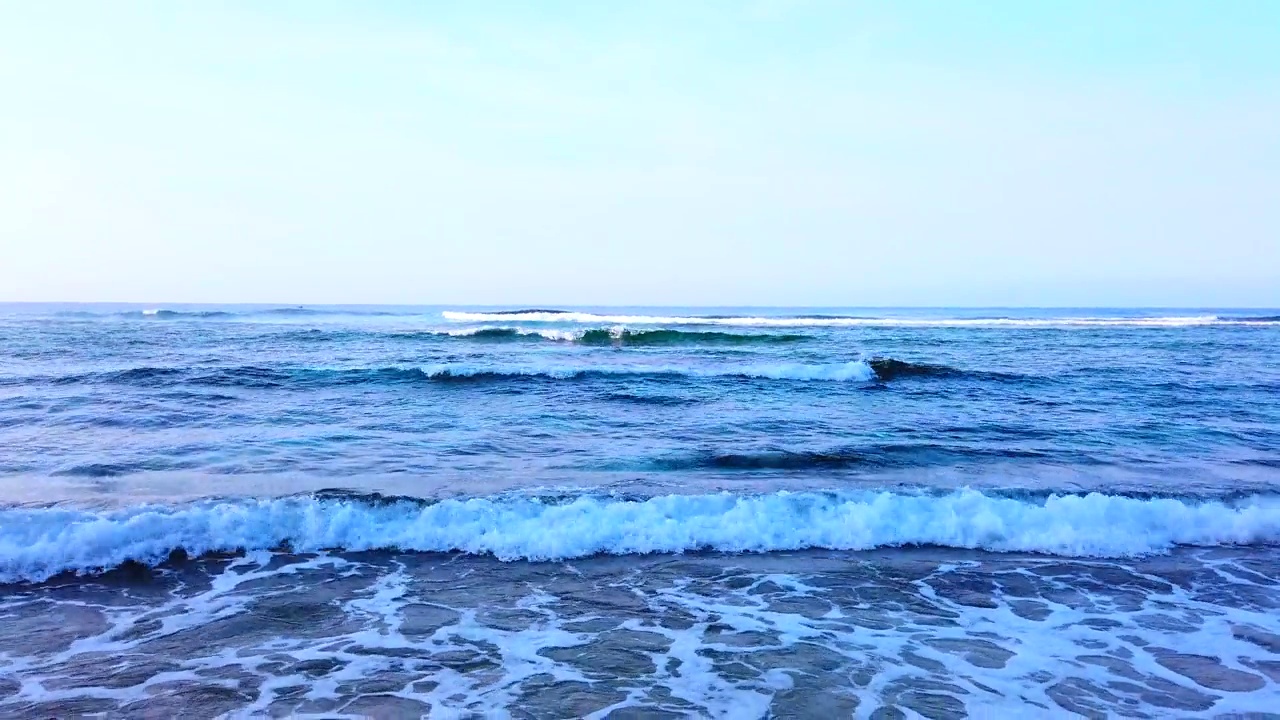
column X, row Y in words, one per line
column 638, row 512
column 921, row 633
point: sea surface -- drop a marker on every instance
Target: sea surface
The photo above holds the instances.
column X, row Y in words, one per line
column 639, row 512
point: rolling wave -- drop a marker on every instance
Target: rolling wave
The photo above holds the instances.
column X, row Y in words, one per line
column 503, row 334
column 565, row 316
column 552, row 315
column 250, row 376
column 889, row 369
column 596, row 337
column 622, row 337
column 1253, row 319
column 36, row 544
column 266, row 377
column 872, row 456
column 527, row 311
column 855, row 371
column 642, row 338
column 168, row 314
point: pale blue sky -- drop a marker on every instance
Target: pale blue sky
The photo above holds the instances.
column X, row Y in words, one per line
column 793, row 152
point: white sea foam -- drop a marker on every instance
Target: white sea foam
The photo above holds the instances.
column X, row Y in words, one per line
column 38, row 543
column 836, row 321
column 854, row 371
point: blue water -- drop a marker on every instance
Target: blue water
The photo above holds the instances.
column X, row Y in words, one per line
column 102, row 404
column 626, row 512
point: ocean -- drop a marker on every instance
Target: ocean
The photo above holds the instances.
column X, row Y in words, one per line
column 638, row 512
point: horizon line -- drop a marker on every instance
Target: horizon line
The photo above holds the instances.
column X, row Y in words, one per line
column 535, row 307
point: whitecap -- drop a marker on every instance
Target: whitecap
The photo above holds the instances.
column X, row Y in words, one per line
column 38, row 543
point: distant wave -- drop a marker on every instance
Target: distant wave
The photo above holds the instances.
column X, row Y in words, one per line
column 855, row 371
column 562, row 316
column 265, row 377
column 1252, row 319
column 552, row 315
column 875, row 456
column 623, row 337
column 600, row 337
column 294, row 311
column 876, row 369
column 501, row 334
column 167, row 314
column 36, row 544
column 764, row 460
column 889, row 368
column 478, row 334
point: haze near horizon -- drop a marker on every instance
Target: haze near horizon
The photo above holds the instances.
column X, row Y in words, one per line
column 786, row 153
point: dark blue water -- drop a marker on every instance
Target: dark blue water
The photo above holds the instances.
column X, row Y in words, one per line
column 129, row 433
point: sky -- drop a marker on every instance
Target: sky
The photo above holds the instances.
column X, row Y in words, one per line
column 667, row 152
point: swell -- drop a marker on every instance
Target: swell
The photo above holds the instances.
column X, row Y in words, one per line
column 167, row 314
column 276, row 377
column 1066, row 321
column 597, row 337
column 501, row 334
column 890, row 369
column 622, row 337
column 251, row 376
column 1252, row 319
column 546, row 315
column 483, row 334
column 888, row 455
column 36, row 544
column 171, row 314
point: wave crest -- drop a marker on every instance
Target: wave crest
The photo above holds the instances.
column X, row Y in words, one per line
column 623, row 337
column 171, row 314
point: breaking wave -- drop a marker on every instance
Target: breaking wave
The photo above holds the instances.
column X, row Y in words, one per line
column 169, row 314
column 36, row 544
column 622, row 337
